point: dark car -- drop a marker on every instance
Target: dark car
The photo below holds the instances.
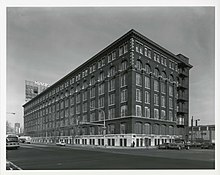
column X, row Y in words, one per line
column 163, row 146
column 208, row 146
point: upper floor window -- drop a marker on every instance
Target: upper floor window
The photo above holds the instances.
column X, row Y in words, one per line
column 101, row 76
column 147, row 68
column 164, row 75
column 147, row 52
column 157, row 57
column 123, row 80
column 124, row 65
column 112, row 71
column 163, row 60
column 156, row 72
column 124, row 95
column 139, row 65
column 124, row 110
column 92, row 80
column 138, row 110
column 138, row 79
column 138, row 95
column 147, row 82
column 156, row 85
column 111, row 84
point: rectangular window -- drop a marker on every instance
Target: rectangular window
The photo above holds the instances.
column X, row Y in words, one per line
column 147, row 112
column 124, row 95
column 138, row 79
column 156, row 113
column 109, row 58
column 147, row 82
column 111, row 99
column 147, row 52
column 111, row 113
column 112, row 85
column 101, row 89
column 85, row 96
column 156, row 85
column 120, row 50
column 170, row 103
column 92, row 117
column 78, row 98
column 92, row 104
column 124, row 110
column 125, row 48
column 163, row 114
column 84, row 107
column 163, row 101
column 138, row 110
column 147, row 97
column 123, row 80
column 122, row 128
column 156, row 99
column 78, row 109
column 92, row 92
column 170, row 115
column 171, row 91
column 138, row 95
column 163, row 88
column 101, row 102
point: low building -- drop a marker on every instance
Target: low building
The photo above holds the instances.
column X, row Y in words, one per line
column 133, row 92
column 202, row 133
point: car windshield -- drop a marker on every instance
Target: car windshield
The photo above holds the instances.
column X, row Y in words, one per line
column 11, row 139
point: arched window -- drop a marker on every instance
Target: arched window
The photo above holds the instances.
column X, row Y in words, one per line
column 156, row 129
column 101, row 76
column 163, row 130
column 124, row 65
column 148, row 69
column 138, row 128
column 84, row 84
column 156, row 72
column 139, row 64
column 171, row 130
column 147, row 128
column 112, row 71
column 92, row 80
column 171, row 78
column 164, row 75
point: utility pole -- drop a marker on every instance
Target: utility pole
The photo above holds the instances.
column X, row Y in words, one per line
column 192, row 129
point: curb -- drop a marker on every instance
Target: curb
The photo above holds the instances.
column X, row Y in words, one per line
column 11, row 166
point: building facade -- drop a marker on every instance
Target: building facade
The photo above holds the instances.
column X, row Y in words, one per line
column 133, row 92
column 202, row 133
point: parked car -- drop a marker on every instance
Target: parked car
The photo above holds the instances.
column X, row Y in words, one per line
column 208, row 146
column 61, row 143
column 178, row 146
column 163, row 146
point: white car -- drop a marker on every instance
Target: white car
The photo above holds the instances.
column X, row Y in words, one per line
column 61, row 143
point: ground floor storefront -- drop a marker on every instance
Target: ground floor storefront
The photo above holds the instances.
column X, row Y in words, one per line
column 117, row 140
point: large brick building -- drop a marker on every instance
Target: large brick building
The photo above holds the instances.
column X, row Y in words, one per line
column 132, row 92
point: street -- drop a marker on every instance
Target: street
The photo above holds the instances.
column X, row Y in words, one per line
column 52, row 157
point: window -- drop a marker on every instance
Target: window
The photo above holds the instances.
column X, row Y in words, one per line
column 120, row 50
column 147, row 97
column 156, row 72
column 147, row 128
column 147, row 82
column 156, row 113
column 124, row 65
column 156, row 99
column 112, row 71
column 101, row 102
column 147, row 68
column 163, row 101
column 170, row 103
column 101, row 89
column 163, row 114
column 138, row 79
column 138, row 129
column 92, row 104
column 72, row 100
column 125, row 48
column 141, row 49
column 72, row 111
column 111, row 129
column 111, row 113
column 101, row 115
column 122, row 128
column 163, row 87
column 101, row 76
column 78, row 98
column 124, row 95
column 147, row 112
column 138, row 110
column 171, row 78
column 156, row 85
column 147, row 52
column 66, row 103
column 111, row 99
column 157, row 57
column 92, row 130
column 138, row 95
column 84, row 107
column 170, row 90
column 92, row 81
column 92, row 92
column 171, row 130
column 78, row 109
column 113, row 55
column 62, row 104
column 170, row 115
column 92, row 117
column 163, row 60
column 112, row 85
column 124, row 110
column 139, row 65
column 84, row 95
column 123, row 80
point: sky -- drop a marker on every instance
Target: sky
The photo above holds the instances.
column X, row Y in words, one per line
column 46, row 43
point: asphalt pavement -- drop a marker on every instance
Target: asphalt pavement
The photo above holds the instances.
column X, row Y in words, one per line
column 52, row 157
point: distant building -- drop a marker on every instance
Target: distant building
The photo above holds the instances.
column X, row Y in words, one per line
column 33, row 88
column 17, row 128
column 132, row 92
column 202, row 133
